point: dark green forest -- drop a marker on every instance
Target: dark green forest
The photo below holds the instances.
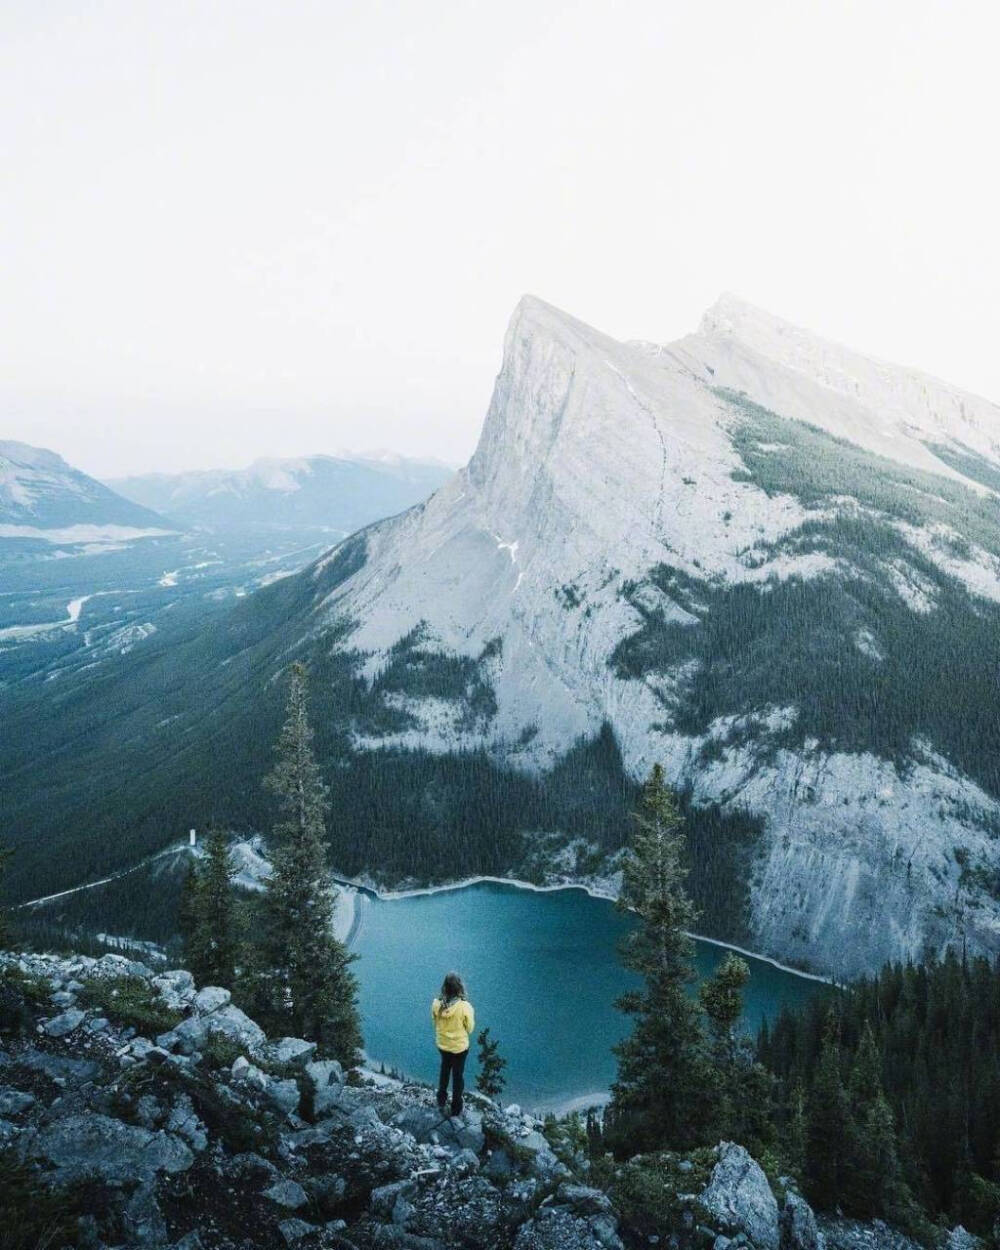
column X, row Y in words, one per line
column 936, row 1033
column 143, row 904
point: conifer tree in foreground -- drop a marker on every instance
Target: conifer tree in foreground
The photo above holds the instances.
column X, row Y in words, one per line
column 874, row 1183
column 722, row 997
column 208, row 915
column 188, row 921
column 490, row 1079
column 888, row 1100
column 665, row 1087
column 744, row 1087
column 298, row 978
column 828, row 1130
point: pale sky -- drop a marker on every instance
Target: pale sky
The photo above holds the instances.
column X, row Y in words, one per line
column 252, row 228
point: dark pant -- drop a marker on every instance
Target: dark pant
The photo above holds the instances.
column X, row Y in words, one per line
column 454, row 1066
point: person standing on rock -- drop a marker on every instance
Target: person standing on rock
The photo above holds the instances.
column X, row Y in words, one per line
column 454, row 1021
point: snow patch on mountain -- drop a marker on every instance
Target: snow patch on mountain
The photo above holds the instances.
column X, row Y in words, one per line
column 977, row 570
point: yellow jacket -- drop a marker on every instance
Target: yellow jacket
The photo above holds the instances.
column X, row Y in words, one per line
column 453, row 1024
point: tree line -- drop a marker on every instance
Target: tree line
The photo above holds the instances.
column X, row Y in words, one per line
column 917, row 1049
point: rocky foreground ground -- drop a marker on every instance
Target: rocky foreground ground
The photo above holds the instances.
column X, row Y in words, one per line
column 139, row 1111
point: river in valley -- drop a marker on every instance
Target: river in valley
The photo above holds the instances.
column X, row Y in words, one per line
column 542, row 972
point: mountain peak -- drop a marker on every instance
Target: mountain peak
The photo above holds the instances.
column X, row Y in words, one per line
column 29, row 456
column 731, row 314
column 536, row 318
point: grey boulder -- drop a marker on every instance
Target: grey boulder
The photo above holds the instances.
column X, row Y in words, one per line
column 294, row 1230
column 246, row 1073
column 64, row 1023
column 284, row 1095
column 429, row 1125
column 798, row 1225
column 14, row 1101
column 183, row 1120
column 144, row 1222
column 959, row 1238
column 333, row 1098
column 96, row 1145
column 385, row 1199
column 175, row 989
column 118, row 966
column 554, row 1229
column 287, row 1193
column 60, row 1068
column 210, row 999
column 228, row 1021
column 582, row 1200
column 292, row 1050
column 323, row 1072
column 738, row 1198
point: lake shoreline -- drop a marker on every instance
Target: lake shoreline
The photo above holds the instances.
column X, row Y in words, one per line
column 594, row 891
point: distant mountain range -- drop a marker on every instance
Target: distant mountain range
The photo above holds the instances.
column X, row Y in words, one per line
column 41, row 495
column 44, row 498
column 337, row 493
column 767, row 561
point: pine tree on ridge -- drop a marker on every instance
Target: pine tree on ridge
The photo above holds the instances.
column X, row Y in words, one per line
column 298, row 978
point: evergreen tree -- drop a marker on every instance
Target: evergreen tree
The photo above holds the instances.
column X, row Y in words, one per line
column 595, row 1134
column 490, row 1079
column 207, row 915
column 722, row 998
column 797, row 1137
column 299, row 979
column 744, row 1087
column 921, row 1045
column 873, row 1183
column 189, row 921
column 828, row 1127
column 664, row 1090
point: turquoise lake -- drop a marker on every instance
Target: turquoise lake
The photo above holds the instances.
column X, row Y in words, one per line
column 542, row 972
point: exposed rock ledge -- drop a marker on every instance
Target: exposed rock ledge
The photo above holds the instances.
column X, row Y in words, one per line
column 207, row 1134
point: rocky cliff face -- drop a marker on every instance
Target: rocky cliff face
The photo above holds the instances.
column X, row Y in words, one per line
column 139, row 1111
column 768, row 562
